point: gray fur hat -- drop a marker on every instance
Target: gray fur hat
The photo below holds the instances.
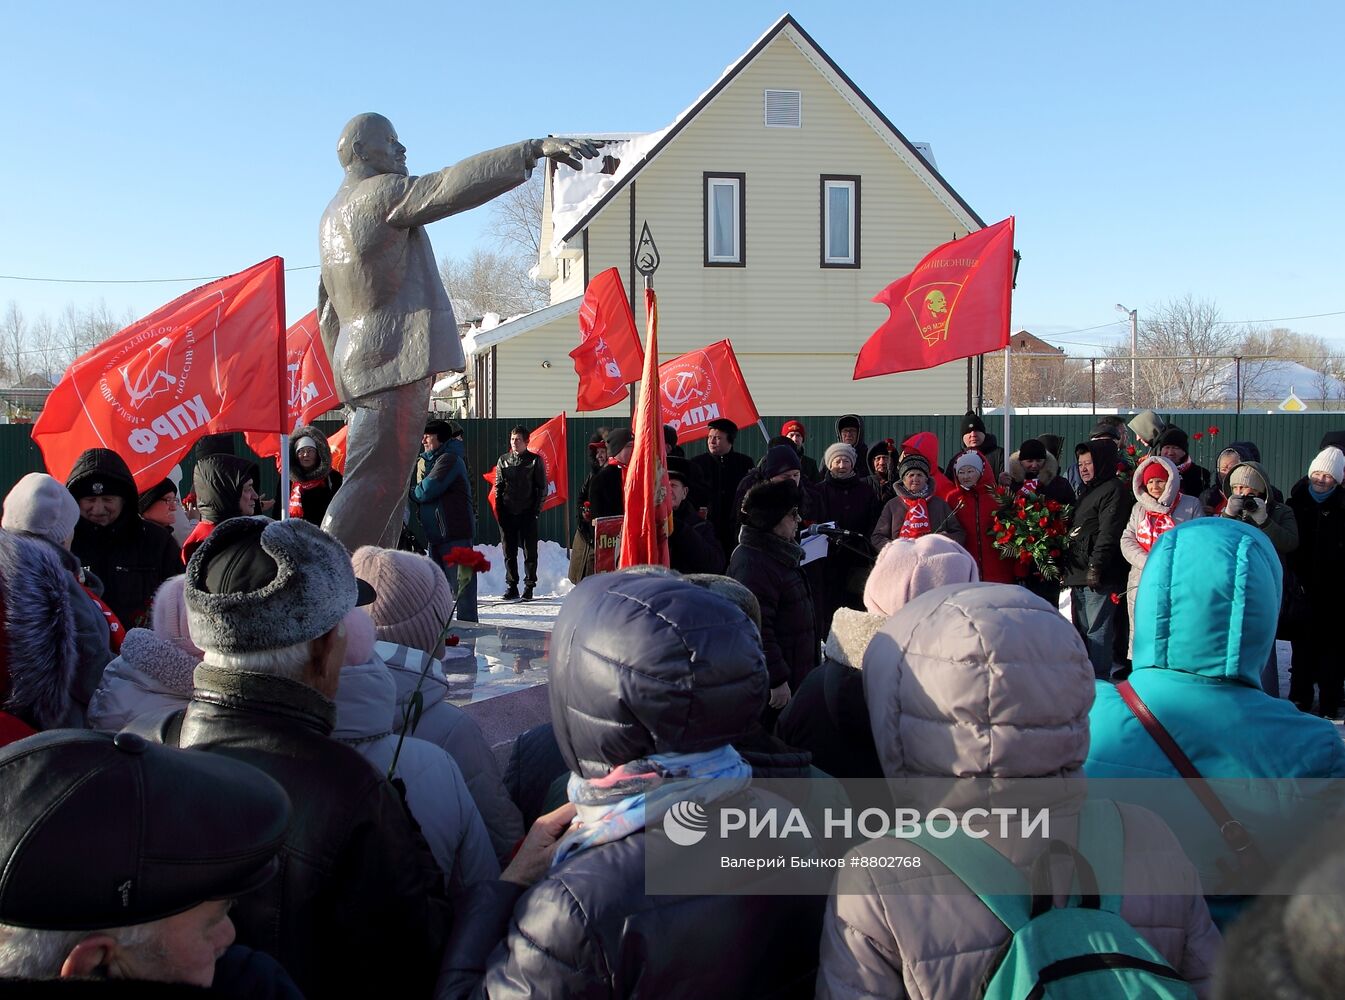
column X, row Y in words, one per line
column 257, row 584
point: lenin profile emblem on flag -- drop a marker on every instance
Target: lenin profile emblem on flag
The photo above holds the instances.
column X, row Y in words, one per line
column 931, row 307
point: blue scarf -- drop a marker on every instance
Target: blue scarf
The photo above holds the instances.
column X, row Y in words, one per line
column 635, row 794
column 1319, row 497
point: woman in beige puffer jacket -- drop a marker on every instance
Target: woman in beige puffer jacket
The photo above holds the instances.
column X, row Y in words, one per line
column 980, row 680
column 1149, row 518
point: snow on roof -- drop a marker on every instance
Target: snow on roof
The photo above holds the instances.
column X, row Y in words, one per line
column 1275, row 380
column 574, row 192
column 485, row 336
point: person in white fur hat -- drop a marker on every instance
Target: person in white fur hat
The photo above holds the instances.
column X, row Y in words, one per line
column 1317, row 589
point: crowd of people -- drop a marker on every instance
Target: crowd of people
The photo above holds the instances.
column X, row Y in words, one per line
column 341, row 828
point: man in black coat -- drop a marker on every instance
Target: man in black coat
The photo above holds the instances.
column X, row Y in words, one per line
column 1033, row 469
column 975, row 438
column 112, row 541
column 520, row 488
column 721, row 470
column 766, row 562
column 1096, row 569
column 1318, row 503
column 358, row 908
column 1174, row 445
column 605, row 492
column 692, row 546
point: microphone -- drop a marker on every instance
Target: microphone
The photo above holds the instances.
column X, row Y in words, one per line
column 829, row 530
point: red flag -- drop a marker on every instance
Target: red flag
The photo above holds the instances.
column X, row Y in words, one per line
column 608, row 355
column 645, row 494
column 705, row 385
column 311, row 387
column 210, row 361
column 953, row 305
column 337, row 443
column 548, row 441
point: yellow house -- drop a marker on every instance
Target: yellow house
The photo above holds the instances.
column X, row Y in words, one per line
column 781, row 202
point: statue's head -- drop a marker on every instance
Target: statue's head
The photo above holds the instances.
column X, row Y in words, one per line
column 369, row 139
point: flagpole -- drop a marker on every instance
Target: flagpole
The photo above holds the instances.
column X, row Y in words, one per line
column 282, row 396
column 1008, row 403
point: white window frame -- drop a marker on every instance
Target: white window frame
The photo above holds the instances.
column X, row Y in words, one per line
column 831, row 182
column 737, row 183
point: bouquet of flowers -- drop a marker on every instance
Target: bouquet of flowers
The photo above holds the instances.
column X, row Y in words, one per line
column 469, row 562
column 1031, row 530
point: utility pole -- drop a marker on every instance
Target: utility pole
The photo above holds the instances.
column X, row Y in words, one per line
column 1134, row 351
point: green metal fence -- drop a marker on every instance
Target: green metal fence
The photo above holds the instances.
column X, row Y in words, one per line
column 1287, row 442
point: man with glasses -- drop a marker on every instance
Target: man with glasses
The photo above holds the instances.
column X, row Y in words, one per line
column 159, row 505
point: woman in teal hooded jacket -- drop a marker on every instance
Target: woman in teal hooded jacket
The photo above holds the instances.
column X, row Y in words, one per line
column 1205, row 619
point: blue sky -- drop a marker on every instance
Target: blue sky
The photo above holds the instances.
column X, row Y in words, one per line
column 1148, row 150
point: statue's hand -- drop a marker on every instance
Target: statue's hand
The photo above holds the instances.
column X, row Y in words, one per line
column 571, row 152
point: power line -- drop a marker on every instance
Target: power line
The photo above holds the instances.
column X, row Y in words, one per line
column 132, row 281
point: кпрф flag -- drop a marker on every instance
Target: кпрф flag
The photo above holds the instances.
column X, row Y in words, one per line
column 648, row 501
column 210, row 361
column 953, row 305
column 608, row 356
column 311, row 389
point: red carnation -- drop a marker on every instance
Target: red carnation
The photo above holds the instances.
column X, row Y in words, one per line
column 1025, row 557
column 1055, row 553
column 1043, row 521
column 1130, row 449
column 452, row 640
column 1214, row 431
column 1116, row 598
column 1052, row 506
column 1198, row 436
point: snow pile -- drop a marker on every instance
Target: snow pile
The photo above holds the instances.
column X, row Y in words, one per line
column 553, row 567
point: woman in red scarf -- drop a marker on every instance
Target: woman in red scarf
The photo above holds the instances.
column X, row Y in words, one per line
column 1160, row 506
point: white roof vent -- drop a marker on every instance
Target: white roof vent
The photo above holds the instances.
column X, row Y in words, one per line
column 784, row 109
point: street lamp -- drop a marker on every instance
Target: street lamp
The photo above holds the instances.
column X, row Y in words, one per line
column 1134, row 350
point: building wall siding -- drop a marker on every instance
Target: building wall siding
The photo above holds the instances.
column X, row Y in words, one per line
column 795, row 325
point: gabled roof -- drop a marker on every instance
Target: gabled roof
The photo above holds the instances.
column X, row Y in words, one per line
column 639, row 151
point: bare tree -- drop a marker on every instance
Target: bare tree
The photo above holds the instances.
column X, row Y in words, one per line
column 13, row 343
column 1035, row 379
column 491, row 282
column 1184, row 350
column 516, row 219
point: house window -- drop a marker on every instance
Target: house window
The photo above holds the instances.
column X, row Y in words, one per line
column 840, row 220
column 725, row 220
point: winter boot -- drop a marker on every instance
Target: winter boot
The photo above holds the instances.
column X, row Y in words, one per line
column 511, row 593
column 527, row 592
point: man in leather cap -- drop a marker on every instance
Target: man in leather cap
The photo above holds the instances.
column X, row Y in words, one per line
column 386, row 320
column 146, row 897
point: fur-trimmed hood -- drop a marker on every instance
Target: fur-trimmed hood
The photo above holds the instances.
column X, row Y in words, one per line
column 151, row 678
column 1165, row 503
column 1048, row 471
column 160, row 658
column 324, row 449
column 37, row 673
column 851, row 633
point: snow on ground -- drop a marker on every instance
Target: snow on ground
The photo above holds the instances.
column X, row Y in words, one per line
column 553, row 567
column 539, row 614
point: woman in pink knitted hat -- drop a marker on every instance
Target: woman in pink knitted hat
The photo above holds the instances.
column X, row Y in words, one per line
column 828, row 715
